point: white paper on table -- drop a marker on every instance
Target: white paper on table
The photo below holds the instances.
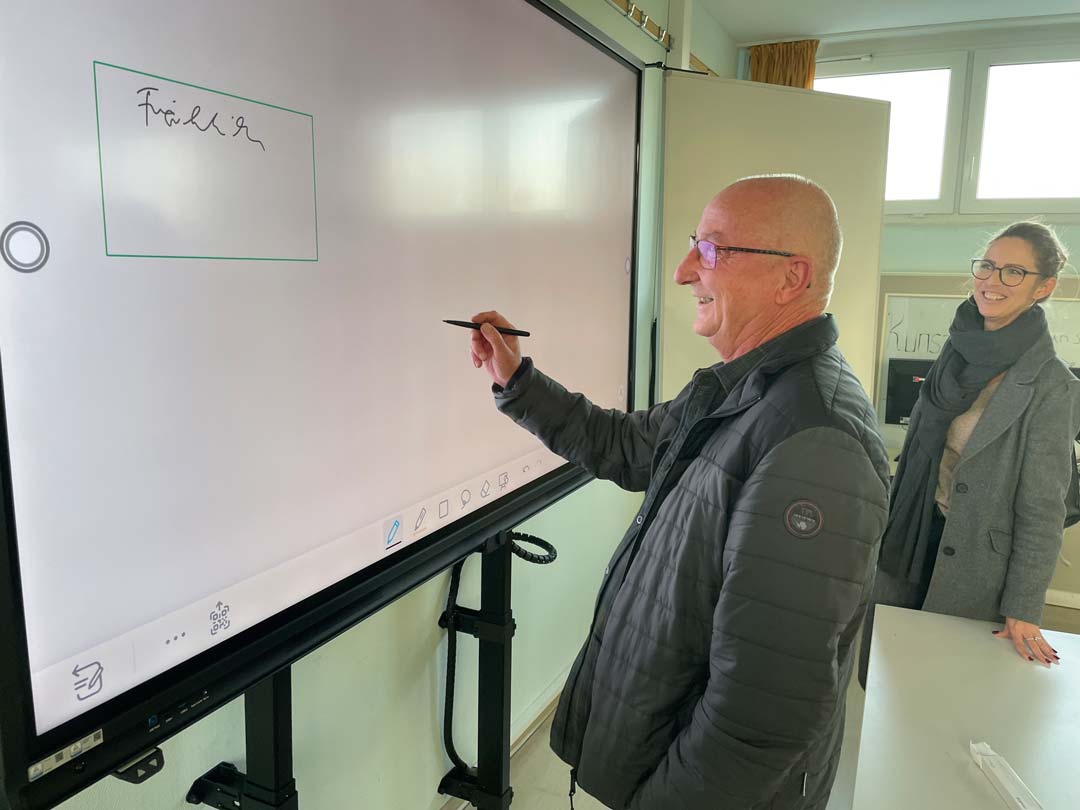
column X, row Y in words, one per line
column 1005, row 780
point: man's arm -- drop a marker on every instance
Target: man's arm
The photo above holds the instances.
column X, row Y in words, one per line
column 801, row 544
column 610, row 444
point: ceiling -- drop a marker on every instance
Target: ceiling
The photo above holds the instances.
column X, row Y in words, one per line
column 773, row 20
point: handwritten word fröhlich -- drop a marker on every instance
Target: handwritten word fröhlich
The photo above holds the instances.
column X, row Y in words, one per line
column 196, row 118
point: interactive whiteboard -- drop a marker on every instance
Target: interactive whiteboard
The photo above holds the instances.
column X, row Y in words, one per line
column 231, row 232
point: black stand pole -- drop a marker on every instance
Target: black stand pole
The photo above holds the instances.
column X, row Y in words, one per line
column 487, row 787
column 268, row 783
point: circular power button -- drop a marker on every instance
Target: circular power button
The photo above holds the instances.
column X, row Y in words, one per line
column 24, row 247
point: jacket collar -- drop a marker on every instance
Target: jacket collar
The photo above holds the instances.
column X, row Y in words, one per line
column 793, row 346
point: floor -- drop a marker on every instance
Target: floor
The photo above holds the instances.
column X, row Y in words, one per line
column 541, row 781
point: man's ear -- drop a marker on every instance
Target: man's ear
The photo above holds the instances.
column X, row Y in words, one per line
column 798, row 277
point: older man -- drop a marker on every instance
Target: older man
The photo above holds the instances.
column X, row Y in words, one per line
column 715, row 671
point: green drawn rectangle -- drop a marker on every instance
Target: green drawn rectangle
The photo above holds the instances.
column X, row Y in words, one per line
column 101, row 171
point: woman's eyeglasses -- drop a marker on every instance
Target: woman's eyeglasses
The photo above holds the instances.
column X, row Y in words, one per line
column 1011, row 275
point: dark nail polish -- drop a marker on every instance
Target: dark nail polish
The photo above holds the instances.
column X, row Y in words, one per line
column 1030, row 658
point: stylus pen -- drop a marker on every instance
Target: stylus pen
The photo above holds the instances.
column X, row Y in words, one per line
column 500, row 329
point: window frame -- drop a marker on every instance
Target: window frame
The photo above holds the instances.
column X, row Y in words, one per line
column 958, row 62
column 983, row 60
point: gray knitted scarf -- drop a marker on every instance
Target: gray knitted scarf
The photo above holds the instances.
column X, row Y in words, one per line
column 970, row 358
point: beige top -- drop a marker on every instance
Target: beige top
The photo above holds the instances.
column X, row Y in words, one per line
column 956, row 440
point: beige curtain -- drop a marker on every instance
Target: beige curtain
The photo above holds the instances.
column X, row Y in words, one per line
column 788, row 63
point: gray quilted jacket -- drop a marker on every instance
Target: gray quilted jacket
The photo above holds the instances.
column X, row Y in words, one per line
column 715, row 671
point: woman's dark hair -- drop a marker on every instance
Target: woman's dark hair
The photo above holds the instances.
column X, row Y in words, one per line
column 1050, row 253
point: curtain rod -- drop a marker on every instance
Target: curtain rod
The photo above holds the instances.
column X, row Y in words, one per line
column 862, row 57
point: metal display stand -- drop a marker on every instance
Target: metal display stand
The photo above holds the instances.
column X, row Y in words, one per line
column 268, row 783
column 487, row 786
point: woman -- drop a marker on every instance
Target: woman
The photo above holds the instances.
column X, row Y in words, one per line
column 978, row 501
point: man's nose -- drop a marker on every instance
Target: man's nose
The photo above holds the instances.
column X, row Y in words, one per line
column 686, row 272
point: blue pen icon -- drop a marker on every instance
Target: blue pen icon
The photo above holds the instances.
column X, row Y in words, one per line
column 392, row 533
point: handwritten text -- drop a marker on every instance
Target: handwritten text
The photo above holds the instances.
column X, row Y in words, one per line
column 196, row 118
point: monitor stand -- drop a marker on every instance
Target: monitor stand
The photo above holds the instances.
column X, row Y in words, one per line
column 268, row 783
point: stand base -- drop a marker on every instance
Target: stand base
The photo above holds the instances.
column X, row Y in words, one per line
column 226, row 788
column 464, row 785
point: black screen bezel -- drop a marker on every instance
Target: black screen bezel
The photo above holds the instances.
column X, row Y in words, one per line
column 227, row 670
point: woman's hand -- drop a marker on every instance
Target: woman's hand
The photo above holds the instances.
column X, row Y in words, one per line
column 1029, row 642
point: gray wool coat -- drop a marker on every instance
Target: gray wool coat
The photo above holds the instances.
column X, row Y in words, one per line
column 1007, row 508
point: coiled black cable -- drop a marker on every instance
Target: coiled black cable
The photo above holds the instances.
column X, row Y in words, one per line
column 549, row 556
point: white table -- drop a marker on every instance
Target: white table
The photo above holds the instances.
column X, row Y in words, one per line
column 938, row 682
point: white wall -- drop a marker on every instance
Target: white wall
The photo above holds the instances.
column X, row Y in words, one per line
column 712, row 44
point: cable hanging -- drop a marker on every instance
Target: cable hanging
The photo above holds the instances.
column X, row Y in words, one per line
column 447, row 621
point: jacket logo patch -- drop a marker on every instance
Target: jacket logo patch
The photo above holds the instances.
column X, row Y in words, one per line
column 803, row 519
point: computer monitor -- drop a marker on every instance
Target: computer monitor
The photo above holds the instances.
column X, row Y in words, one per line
column 902, row 389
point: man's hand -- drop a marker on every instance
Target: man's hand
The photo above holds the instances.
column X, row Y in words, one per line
column 1028, row 641
column 496, row 352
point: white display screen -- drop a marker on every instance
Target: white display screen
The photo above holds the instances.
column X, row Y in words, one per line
column 231, row 234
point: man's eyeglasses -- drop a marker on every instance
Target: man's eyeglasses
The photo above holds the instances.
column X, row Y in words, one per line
column 1011, row 275
column 707, row 251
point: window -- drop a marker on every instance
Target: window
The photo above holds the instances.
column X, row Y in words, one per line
column 925, row 94
column 920, row 101
column 1021, row 151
